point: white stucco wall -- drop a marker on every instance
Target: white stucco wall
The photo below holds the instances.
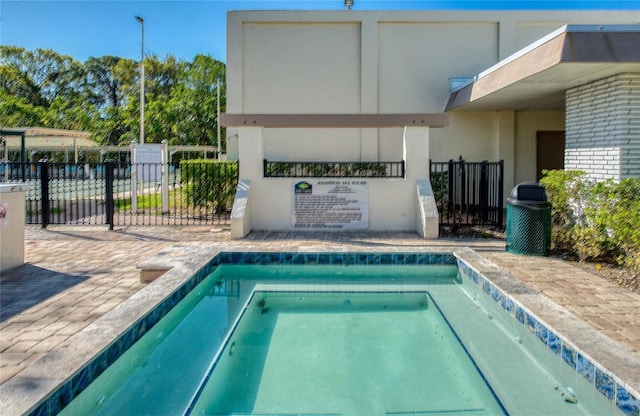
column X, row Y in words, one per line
column 528, row 123
column 416, row 59
column 301, row 68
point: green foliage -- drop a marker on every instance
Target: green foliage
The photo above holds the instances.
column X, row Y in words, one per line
column 595, row 220
column 279, row 169
column 15, row 111
column 150, row 203
column 43, row 88
column 440, row 187
column 369, row 169
column 565, row 190
column 327, row 169
column 209, row 183
column 624, row 221
column 194, row 102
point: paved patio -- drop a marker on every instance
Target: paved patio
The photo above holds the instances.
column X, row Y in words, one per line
column 74, row 275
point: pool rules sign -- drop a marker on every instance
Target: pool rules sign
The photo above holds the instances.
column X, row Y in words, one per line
column 337, row 204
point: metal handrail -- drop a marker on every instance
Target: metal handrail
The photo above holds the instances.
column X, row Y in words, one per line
column 273, row 169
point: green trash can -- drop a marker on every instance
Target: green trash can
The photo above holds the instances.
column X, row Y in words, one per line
column 528, row 220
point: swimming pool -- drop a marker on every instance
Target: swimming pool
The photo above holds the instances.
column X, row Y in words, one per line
column 479, row 310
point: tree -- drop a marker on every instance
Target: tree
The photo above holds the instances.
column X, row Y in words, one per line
column 39, row 76
column 110, row 85
column 103, row 84
column 46, row 89
column 195, row 101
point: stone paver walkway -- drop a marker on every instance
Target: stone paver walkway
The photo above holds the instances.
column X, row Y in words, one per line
column 74, row 275
column 613, row 310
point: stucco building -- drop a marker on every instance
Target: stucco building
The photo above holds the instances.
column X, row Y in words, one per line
column 539, row 90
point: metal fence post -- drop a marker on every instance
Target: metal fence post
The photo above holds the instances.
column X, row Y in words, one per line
column 108, row 193
column 451, row 188
column 483, row 196
column 44, row 192
column 463, row 186
column 500, row 192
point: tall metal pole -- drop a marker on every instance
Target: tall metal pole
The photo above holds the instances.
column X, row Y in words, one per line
column 141, row 20
column 218, row 119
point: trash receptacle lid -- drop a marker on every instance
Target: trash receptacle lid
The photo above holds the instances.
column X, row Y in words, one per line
column 529, row 191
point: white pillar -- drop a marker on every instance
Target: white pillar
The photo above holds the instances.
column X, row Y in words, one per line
column 415, row 153
column 251, row 153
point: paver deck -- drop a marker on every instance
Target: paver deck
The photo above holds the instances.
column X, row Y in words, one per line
column 74, row 275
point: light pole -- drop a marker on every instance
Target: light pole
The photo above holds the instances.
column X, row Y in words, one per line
column 141, row 20
column 218, row 118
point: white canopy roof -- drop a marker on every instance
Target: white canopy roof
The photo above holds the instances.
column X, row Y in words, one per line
column 537, row 76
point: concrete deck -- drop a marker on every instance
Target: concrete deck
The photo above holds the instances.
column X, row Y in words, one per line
column 74, row 275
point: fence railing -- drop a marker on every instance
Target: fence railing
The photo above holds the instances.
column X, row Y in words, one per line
column 191, row 192
column 468, row 192
column 333, row 169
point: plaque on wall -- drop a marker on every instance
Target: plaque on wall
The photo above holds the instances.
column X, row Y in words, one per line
column 330, row 204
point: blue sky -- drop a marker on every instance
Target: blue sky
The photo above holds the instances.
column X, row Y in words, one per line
column 185, row 28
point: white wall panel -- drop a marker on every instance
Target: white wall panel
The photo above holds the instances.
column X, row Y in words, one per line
column 301, row 68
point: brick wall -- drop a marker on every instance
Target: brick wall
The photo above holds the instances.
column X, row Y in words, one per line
column 603, row 127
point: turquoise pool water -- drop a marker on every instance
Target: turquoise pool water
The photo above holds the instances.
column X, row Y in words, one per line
column 438, row 350
column 343, row 353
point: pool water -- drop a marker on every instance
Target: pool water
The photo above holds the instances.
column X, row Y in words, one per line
column 310, row 339
column 344, row 353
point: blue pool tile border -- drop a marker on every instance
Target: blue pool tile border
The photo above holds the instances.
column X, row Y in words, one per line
column 597, row 376
column 296, row 258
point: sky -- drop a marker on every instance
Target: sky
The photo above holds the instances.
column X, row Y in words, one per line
column 185, row 28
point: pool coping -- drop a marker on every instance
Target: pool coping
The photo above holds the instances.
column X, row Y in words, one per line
column 26, row 391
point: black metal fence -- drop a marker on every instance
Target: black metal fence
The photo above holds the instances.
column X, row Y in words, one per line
column 201, row 192
column 333, row 169
column 110, row 193
column 468, row 193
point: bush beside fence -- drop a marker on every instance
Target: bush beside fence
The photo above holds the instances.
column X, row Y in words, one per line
column 209, row 183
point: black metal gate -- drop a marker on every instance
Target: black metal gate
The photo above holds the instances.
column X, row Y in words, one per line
column 468, row 192
column 110, row 193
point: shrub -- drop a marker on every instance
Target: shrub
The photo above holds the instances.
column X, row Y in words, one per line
column 209, row 183
column 565, row 190
column 625, row 222
column 595, row 220
column 440, row 187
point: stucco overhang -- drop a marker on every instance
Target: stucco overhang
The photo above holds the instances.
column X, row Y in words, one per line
column 537, row 76
column 334, row 120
